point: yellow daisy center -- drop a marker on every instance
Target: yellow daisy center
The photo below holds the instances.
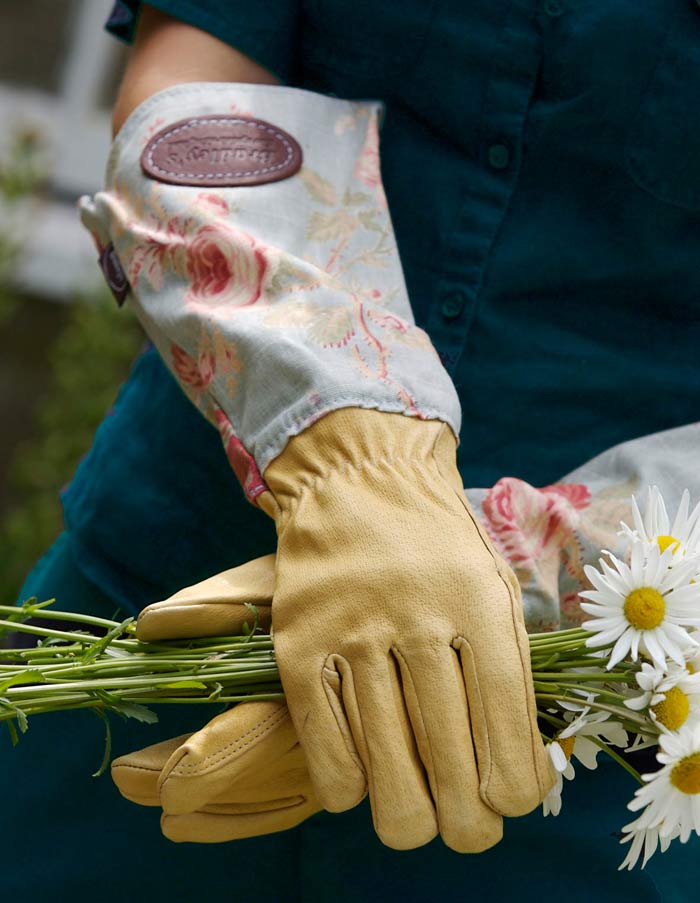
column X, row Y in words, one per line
column 567, row 745
column 686, row 774
column 645, row 608
column 673, row 710
column 666, row 541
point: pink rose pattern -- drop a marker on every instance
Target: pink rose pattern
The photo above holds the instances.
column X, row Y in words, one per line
column 194, row 373
column 224, row 266
column 241, row 461
column 547, row 535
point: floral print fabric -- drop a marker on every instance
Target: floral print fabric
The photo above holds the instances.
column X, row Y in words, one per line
column 272, row 304
column 547, row 534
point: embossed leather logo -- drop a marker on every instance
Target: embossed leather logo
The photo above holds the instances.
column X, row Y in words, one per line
column 221, row 151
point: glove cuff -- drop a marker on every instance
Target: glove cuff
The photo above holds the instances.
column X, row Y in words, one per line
column 352, row 439
column 248, row 228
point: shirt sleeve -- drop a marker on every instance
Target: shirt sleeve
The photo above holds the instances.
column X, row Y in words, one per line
column 266, row 31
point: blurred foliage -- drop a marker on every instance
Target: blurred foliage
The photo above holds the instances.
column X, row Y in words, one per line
column 23, row 178
column 88, row 361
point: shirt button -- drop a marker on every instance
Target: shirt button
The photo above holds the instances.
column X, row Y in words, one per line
column 553, row 8
column 453, row 305
column 498, row 156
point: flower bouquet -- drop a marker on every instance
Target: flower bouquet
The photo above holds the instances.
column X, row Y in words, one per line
column 626, row 679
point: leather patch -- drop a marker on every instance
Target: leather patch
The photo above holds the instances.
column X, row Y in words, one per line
column 114, row 274
column 221, row 151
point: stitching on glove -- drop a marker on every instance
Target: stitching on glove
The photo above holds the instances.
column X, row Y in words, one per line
column 227, row 607
column 313, row 484
column 235, row 746
column 219, row 175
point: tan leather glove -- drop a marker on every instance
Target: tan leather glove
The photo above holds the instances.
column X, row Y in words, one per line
column 398, row 632
column 242, row 775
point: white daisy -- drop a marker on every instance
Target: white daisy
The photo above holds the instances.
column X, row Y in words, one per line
column 670, row 796
column 672, row 695
column 655, row 529
column 574, row 742
column 643, row 839
column 644, row 607
column 593, row 724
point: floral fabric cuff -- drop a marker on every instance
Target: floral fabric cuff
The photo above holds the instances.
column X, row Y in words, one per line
column 247, row 226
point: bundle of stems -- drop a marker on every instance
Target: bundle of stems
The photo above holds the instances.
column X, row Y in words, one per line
column 86, row 662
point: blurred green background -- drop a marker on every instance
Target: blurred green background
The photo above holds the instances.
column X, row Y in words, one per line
column 61, row 364
column 65, row 347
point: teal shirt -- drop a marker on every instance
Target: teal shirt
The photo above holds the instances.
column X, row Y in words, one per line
column 542, row 165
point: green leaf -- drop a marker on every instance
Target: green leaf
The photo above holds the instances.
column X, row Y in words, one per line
column 125, row 709
column 98, row 648
column 26, row 677
column 20, row 717
column 215, row 693
column 185, row 685
column 135, row 711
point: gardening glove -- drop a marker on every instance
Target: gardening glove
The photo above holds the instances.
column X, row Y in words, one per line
column 242, row 775
column 279, row 303
column 398, row 633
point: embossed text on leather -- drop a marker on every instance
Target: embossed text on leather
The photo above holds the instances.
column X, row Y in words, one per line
column 221, row 151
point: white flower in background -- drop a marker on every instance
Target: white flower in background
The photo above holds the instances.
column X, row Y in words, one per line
column 672, row 695
column 655, row 529
column 574, row 741
column 644, row 607
column 670, row 798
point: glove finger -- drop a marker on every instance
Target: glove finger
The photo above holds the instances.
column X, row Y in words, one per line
column 437, row 704
column 136, row 774
column 214, row 607
column 336, row 770
column 402, row 807
column 512, row 759
column 219, row 827
column 236, row 746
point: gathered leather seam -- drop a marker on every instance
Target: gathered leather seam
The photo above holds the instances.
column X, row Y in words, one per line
column 306, row 485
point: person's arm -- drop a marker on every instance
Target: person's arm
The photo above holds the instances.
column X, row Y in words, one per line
column 169, row 52
column 252, row 229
